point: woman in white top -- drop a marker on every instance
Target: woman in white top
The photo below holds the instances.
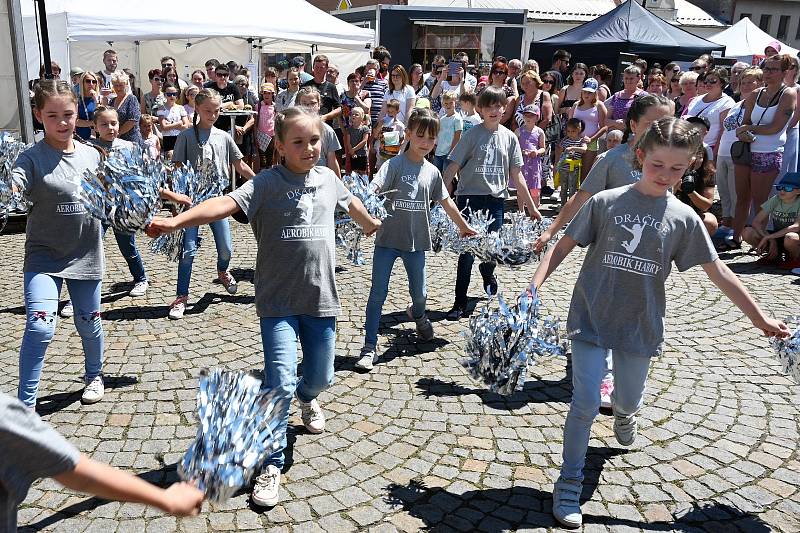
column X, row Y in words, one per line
column 399, row 90
column 749, row 81
column 593, row 114
column 445, row 83
column 172, row 118
column 767, row 114
column 286, row 97
column 711, row 105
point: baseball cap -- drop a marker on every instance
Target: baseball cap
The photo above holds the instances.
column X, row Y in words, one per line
column 298, row 62
column 531, row 108
column 790, row 178
column 267, row 88
column 422, row 103
column 590, row 85
column 75, row 71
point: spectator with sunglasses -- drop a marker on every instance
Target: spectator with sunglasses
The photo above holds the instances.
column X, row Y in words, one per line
column 172, row 119
column 783, row 242
column 712, row 105
column 230, row 96
column 88, row 95
column 153, row 100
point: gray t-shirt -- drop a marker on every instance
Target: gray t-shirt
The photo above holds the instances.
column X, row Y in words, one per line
column 215, row 144
column 330, row 143
column 292, row 216
column 414, row 186
column 31, row 450
column 356, row 136
column 116, row 144
column 62, row 239
column 485, row 158
column 619, row 301
column 613, row 169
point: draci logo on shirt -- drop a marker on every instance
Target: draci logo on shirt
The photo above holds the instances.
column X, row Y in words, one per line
column 630, row 229
column 411, row 190
column 489, row 167
column 303, row 228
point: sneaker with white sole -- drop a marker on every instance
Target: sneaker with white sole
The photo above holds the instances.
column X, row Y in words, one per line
column 178, row 307
column 606, row 388
column 94, row 391
column 67, row 311
column 567, row 502
column 625, row 429
column 424, row 326
column 367, row 359
column 265, row 491
column 312, row 416
column 139, row 288
column 227, row 281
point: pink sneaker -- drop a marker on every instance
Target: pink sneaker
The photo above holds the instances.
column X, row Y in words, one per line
column 606, row 388
column 227, row 281
column 178, row 307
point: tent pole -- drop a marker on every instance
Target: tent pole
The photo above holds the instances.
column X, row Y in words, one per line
column 46, row 61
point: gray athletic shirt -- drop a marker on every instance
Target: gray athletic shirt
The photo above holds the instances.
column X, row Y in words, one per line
column 292, row 219
column 214, row 144
column 330, row 143
column 414, row 186
column 485, row 158
column 613, row 169
column 62, row 239
column 618, row 301
column 31, row 450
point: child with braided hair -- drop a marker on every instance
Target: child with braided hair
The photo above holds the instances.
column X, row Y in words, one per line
column 633, row 234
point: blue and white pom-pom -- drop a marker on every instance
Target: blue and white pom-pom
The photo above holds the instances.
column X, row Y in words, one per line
column 11, row 197
column 348, row 232
column 788, row 349
column 502, row 343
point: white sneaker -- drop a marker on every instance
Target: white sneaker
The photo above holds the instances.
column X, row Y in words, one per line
column 67, row 311
column 178, row 307
column 265, row 491
column 566, row 502
column 367, row 360
column 606, row 388
column 312, row 415
column 139, row 288
column 227, row 281
column 94, row 390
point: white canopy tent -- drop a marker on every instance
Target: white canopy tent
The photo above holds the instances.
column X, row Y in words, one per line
column 142, row 32
column 744, row 40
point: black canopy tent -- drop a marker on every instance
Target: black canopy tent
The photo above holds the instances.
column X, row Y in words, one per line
column 627, row 28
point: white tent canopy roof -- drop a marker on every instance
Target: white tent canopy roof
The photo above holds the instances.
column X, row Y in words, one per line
column 146, row 20
column 745, row 39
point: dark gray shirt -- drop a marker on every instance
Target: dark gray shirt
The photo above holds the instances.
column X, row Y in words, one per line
column 619, row 301
column 292, row 216
column 31, row 450
column 414, row 186
column 214, row 144
column 486, row 158
column 612, row 169
column 62, row 239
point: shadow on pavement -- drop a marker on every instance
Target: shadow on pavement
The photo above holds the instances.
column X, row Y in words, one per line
column 137, row 312
column 53, row 403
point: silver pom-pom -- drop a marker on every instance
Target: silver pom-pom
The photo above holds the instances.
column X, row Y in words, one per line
column 123, row 193
column 238, row 429
column 199, row 185
column 503, row 342
column 348, row 232
column 788, row 349
column 512, row 245
column 10, row 199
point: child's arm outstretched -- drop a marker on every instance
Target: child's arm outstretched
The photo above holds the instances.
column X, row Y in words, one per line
column 208, row 211
column 455, row 215
column 552, row 259
column 730, row 285
column 180, row 499
column 360, row 214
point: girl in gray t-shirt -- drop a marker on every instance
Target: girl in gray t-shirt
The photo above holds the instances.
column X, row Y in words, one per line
column 63, row 243
column 291, row 209
column 411, row 183
column 633, row 233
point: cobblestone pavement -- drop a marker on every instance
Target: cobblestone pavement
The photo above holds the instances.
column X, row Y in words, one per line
column 416, row 444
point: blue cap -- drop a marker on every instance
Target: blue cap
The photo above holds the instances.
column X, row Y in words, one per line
column 790, row 178
column 590, row 85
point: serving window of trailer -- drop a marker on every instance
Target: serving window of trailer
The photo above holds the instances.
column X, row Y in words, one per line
column 430, row 40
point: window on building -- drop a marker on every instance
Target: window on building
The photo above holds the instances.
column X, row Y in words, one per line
column 765, row 22
column 797, row 33
column 430, row 40
column 746, row 16
column 783, row 25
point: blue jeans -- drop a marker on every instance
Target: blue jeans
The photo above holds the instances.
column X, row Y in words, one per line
column 279, row 337
column 588, row 369
column 382, row 263
column 191, row 239
column 41, row 306
column 127, row 247
column 440, row 162
column 496, row 210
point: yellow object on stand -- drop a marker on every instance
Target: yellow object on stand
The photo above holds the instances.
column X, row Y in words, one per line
column 573, row 165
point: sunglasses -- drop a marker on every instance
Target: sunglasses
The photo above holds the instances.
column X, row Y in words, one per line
column 787, row 188
column 171, row 94
column 93, row 82
column 697, row 68
column 499, row 72
column 157, row 79
column 547, row 81
column 222, row 74
column 711, row 82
